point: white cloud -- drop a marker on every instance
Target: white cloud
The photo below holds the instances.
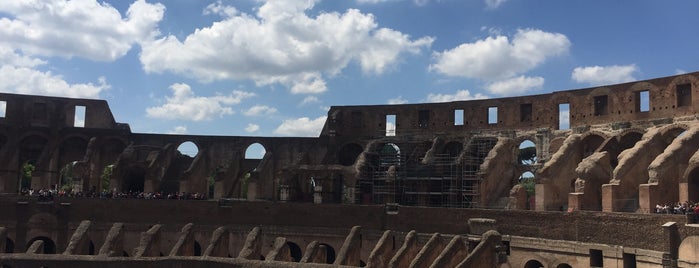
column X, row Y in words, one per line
column 25, row 80
column 493, row 4
column 301, row 127
column 309, row 100
column 184, row 105
column 601, row 75
column 220, row 9
column 515, row 86
column 281, row 44
column 680, row 71
column 495, row 58
column 564, row 119
column 87, row 29
column 252, row 128
column 260, row 110
column 178, row 130
column 397, row 100
column 458, row 96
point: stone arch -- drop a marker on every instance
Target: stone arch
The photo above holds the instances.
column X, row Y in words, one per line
column 563, row 265
column 330, row 253
column 691, row 177
column 525, row 147
column 255, row 151
column 70, row 150
column 295, row 251
column 135, row 179
column 31, row 151
column 389, row 154
column 533, row 264
column 628, row 138
column 689, row 249
column 453, row 148
column 591, row 142
column 349, row 153
column 188, row 148
column 49, row 245
column 670, row 132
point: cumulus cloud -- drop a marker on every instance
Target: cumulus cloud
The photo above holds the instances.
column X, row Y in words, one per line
column 220, row 9
column 397, row 100
column 184, row 105
column 281, row 44
column 178, row 130
column 260, row 110
column 600, row 75
column 460, row 95
column 252, row 128
column 87, row 29
column 499, row 57
column 515, row 86
column 301, row 127
column 23, row 80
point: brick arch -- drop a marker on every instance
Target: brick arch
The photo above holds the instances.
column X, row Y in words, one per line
column 672, row 130
column 349, row 153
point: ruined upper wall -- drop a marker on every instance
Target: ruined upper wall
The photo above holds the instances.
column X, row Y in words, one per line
column 55, row 112
column 648, row 100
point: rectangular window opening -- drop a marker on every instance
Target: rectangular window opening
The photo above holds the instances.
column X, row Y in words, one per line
column 684, row 95
column 3, row 109
column 525, row 112
column 643, row 101
column 458, row 117
column 564, row 116
column 79, row 120
column 601, row 105
column 423, row 120
column 596, row 258
column 629, row 260
column 492, row 115
column 390, row 125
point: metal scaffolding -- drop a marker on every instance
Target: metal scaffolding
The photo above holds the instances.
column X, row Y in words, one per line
column 400, row 176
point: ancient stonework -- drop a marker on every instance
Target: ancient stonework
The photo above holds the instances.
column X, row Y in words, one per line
column 615, row 148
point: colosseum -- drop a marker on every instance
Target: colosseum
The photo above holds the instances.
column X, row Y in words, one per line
column 573, row 178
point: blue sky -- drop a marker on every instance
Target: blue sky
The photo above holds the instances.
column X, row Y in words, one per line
column 273, row 68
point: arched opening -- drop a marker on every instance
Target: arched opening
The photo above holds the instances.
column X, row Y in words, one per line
column 197, row 248
column 9, row 245
column 71, row 150
column 389, row 155
column 564, row 265
column 330, row 253
column 527, row 180
column 348, row 154
column 188, row 148
column 693, row 184
column 453, row 149
column 255, row 151
column 49, row 245
column 533, row 264
column 295, row 251
column 527, row 153
column 591, row 143
column 91, row 248
column 134, row 180
column 30, row 150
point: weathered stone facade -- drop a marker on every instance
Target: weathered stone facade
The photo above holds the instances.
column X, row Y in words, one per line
column 616, row 148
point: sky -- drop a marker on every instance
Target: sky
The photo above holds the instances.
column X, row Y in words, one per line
column 274, row 68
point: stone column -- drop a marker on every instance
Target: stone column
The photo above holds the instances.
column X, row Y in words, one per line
column 318, row 194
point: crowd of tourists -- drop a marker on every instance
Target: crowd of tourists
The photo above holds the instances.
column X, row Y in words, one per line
column 678, row 208
column 49, row 194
